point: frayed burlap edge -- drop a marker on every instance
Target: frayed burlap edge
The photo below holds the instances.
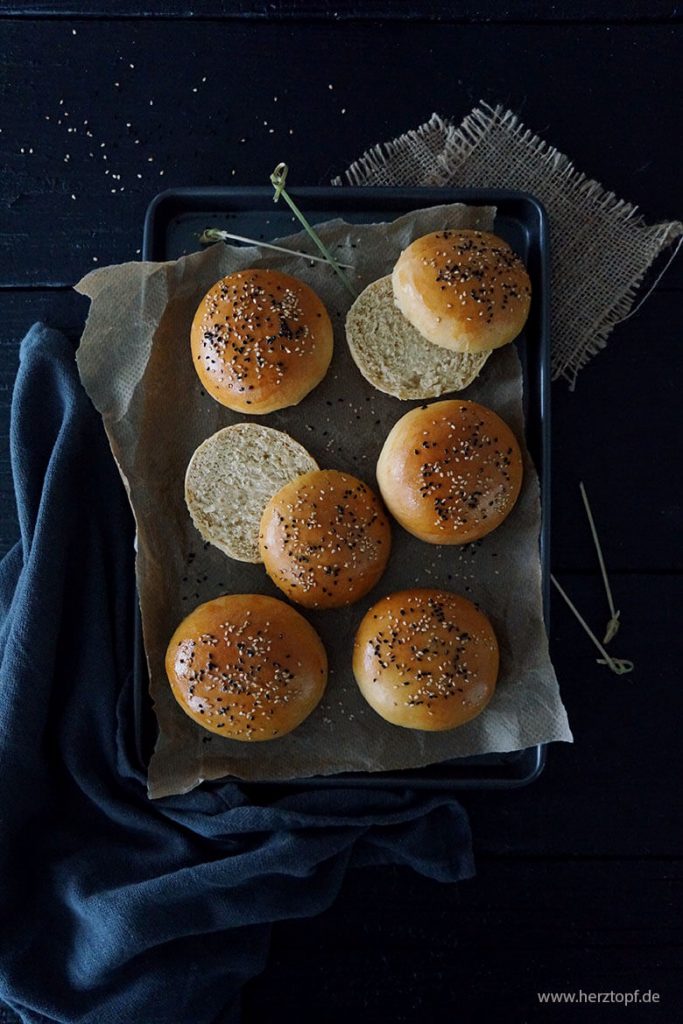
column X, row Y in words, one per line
column 438, row 153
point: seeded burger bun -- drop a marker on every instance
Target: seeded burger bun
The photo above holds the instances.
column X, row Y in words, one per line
column 426, row 659
column 464, row 290
column 395, row 358
column 325, row 539
column 231, row 478
column 246, row 667
column 261, row 340
column 450, row 472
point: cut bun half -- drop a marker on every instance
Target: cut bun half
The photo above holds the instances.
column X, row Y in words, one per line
column 395, row 358
column 231, row 478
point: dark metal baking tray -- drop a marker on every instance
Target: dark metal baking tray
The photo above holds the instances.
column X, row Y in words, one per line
column 173, row 223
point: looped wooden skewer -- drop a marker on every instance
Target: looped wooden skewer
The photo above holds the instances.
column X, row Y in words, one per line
column 216, row 235
column 620, row 666
column 277, row 180
column 613, row 624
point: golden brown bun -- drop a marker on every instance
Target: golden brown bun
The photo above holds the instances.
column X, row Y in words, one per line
column 261, row 340
column 325, row 539
column 464, row 290
column 246, row 667
column 426, row 659
column 450, row 472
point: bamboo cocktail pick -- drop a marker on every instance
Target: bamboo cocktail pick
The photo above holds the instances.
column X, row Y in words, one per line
column 216, row 235
column 620, row 666
column 613, row 624
column 278, row 179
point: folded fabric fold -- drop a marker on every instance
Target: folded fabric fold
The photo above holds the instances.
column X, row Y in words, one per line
column 115, row 908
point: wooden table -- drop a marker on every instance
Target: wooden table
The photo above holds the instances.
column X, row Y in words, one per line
column 578, row 883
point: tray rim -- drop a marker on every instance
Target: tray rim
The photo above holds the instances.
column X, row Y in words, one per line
column 482, row 196
column 419, row 196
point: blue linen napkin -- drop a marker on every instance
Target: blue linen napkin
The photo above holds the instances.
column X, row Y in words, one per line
column 114, row 908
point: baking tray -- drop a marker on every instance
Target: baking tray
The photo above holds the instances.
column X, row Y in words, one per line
column 173, row 222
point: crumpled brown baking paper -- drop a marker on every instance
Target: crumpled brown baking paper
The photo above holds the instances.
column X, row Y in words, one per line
column 135, row 363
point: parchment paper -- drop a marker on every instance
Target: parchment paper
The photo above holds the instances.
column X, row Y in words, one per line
column 135, row 363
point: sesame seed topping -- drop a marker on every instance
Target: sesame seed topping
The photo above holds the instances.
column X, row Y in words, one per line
column 252, row 329
column 423, row 645
column 325, row 538
column 241, row 672
column 465, row 467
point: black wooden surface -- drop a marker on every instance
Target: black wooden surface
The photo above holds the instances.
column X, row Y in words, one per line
column 580, row 874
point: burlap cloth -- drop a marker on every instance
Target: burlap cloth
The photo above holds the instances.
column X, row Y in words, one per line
column 601, row 249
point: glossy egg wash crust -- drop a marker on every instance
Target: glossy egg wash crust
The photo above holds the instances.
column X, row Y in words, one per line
column 247, row 667
column 450, row 472
column 463, row 290
column 426, row 659
column 325, row 539
column 261, row 340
